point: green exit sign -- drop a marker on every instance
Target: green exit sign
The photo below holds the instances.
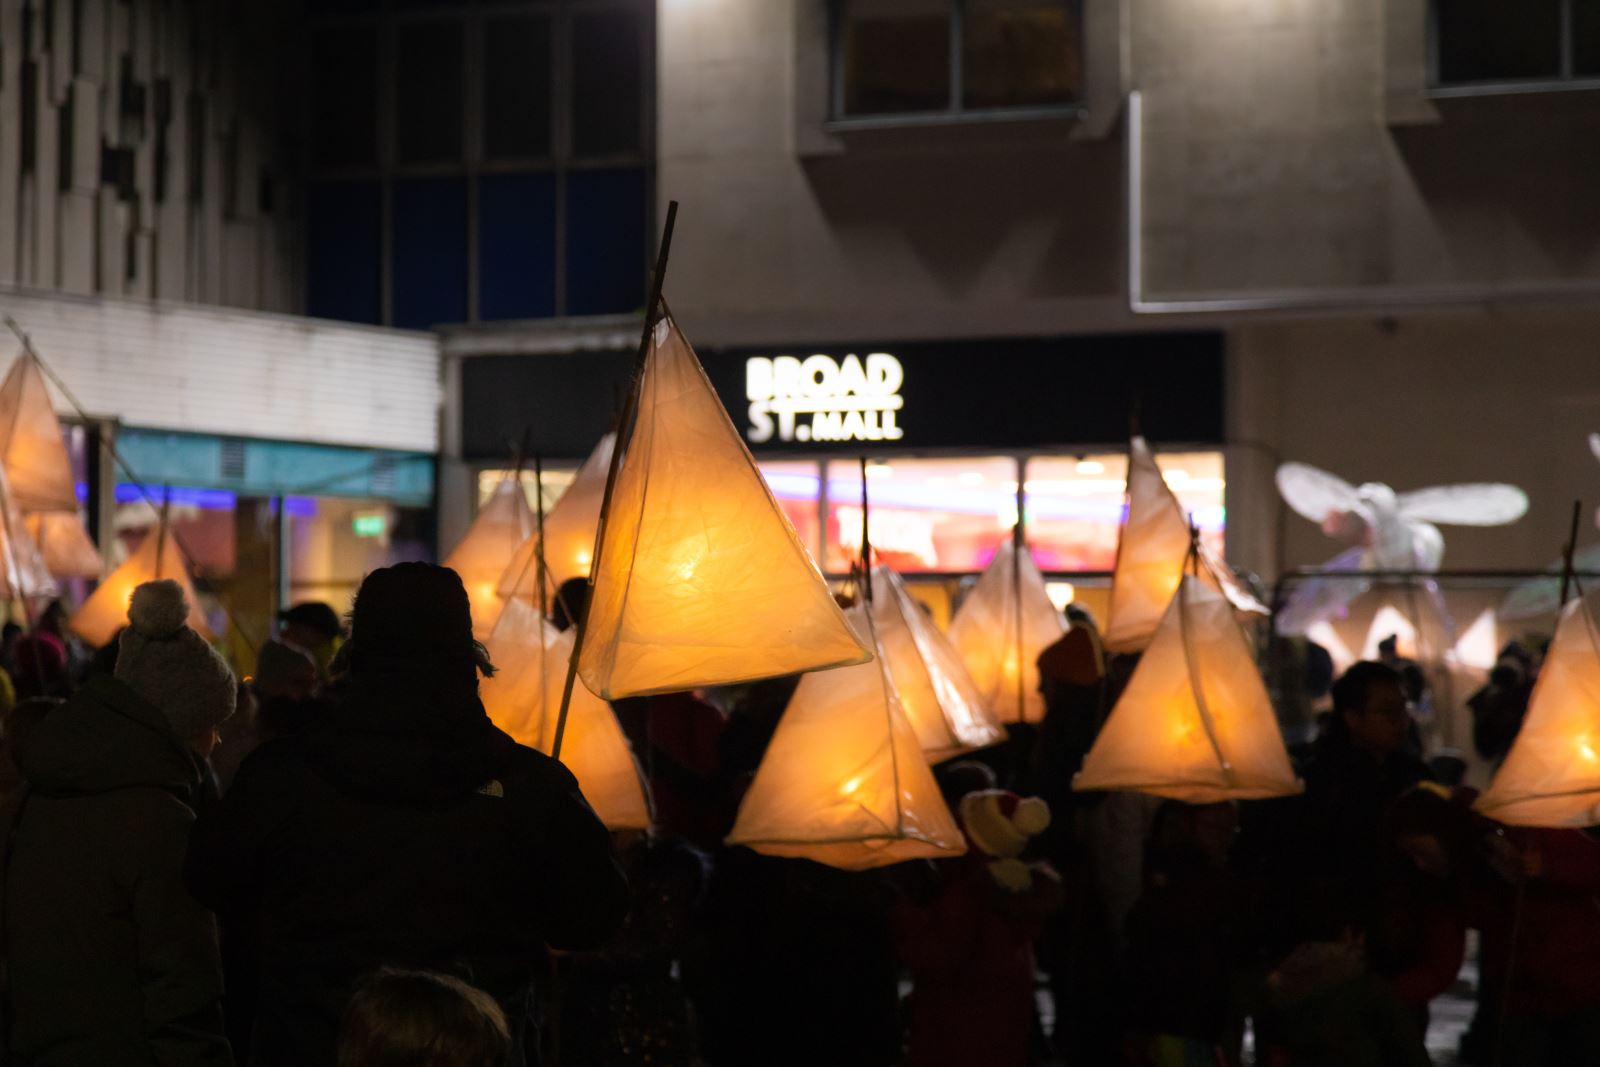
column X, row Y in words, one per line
column 369, row 525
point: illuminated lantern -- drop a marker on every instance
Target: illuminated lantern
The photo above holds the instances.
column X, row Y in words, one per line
column 34, row 454
column 106, row 610
column 26, row 575
column 701, row 580
column 1551, row 776
column 1195, row 722
column 480, row 557
column 568, row 530
column 524, row 696
column 1151, row 553
column 65, row 545
column 1000, row 629
column 938, row 696
column 844, row 781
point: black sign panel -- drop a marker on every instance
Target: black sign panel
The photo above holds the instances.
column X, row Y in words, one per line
column 879, row 396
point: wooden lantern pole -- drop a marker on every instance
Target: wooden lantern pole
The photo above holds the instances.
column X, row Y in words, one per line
column 1572, row 548
column 624, row 427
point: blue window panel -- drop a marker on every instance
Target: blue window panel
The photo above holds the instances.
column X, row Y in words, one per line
column 517, row 246
column 606, row 241
column 343, row 256
column 430, row 252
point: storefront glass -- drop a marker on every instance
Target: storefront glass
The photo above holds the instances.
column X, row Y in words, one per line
column 925, row 515
column 1075, row 504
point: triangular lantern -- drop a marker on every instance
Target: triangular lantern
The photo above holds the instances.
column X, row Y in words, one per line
column 65, row 544
column 106, row 610
column 1151, row 553
column 25, row 575
column 844, row 781
column 1000, row 629
column 568, row 530
column 938, row 696
column 1194, row 722
column 701, row 579
column 481, row 556
column 524, row 696
column 31, row 447
column 1551, row 776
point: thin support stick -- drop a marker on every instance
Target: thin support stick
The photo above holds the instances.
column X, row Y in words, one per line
column 624, row 430
column 538, row 549
column 1019, row 545
column 866, row 539
column 1572, row 548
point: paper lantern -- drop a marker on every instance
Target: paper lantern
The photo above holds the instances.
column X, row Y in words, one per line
column 1551, row 776
column 701, row 579
column 25, row 574
column 480, row 557
column 568, row 530
column 844, row 781
column 33, row 452
column 1000, row 629
column 65, row 544
column 106, row 610
column 523, row 698
column 1195, row 722
column 938, row 696
column 1151, row 553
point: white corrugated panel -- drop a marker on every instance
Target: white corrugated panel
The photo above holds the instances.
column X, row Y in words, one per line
column 221, row 371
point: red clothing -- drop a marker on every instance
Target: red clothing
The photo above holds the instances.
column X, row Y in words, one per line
column 970, row 954
column 1556, row 955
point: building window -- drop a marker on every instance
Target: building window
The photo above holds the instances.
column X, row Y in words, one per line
column 507, row 148
column 1479, row 43
column 943, row 58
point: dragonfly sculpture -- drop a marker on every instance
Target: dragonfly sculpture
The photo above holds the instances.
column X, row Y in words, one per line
column 1385, row 531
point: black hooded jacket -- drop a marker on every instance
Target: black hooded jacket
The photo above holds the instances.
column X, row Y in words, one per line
column 401, row 829
column 111, row 961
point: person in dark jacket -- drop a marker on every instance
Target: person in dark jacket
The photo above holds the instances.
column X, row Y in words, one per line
column 402, row 829
column 111, row 961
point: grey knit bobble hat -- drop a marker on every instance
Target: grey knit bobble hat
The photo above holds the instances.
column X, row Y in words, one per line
column 170, row 665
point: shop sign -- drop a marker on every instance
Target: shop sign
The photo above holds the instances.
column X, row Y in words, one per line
column 820, row 398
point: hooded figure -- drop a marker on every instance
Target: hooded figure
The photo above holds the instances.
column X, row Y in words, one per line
column 111, row 961
column 402, row 829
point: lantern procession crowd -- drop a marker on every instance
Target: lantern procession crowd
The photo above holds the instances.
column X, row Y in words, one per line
column 395, row 881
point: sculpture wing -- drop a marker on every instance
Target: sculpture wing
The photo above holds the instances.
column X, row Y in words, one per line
column 1324, row 596
column 1314, row 493
column 1594, row 444
column 1477, row 504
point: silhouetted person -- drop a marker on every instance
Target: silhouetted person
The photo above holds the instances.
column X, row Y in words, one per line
column 419, row 1019
column 315, row 627
column 111, row 961
column 402, row 829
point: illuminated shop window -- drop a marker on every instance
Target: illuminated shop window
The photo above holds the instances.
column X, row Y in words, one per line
column 1075, row 504
column 926, row 515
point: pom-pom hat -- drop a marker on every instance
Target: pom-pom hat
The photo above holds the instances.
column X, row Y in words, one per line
column 170, row 665
column 1000, row 823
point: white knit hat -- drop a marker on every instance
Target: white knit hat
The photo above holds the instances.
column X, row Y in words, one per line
column 170, row 665
column 1000, row 823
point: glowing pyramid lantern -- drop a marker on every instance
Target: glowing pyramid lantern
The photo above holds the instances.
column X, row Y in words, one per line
column 523, row 699
column 1194, row 722
column 938, row 696
column 65, row 545
column 106, row 611
column 1000, row 629
column 31, row 446
column 701, row 580
column 481, row 557
column 1551, row 776
column 844, row 781
column 568, row 530
column 1151, row 553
